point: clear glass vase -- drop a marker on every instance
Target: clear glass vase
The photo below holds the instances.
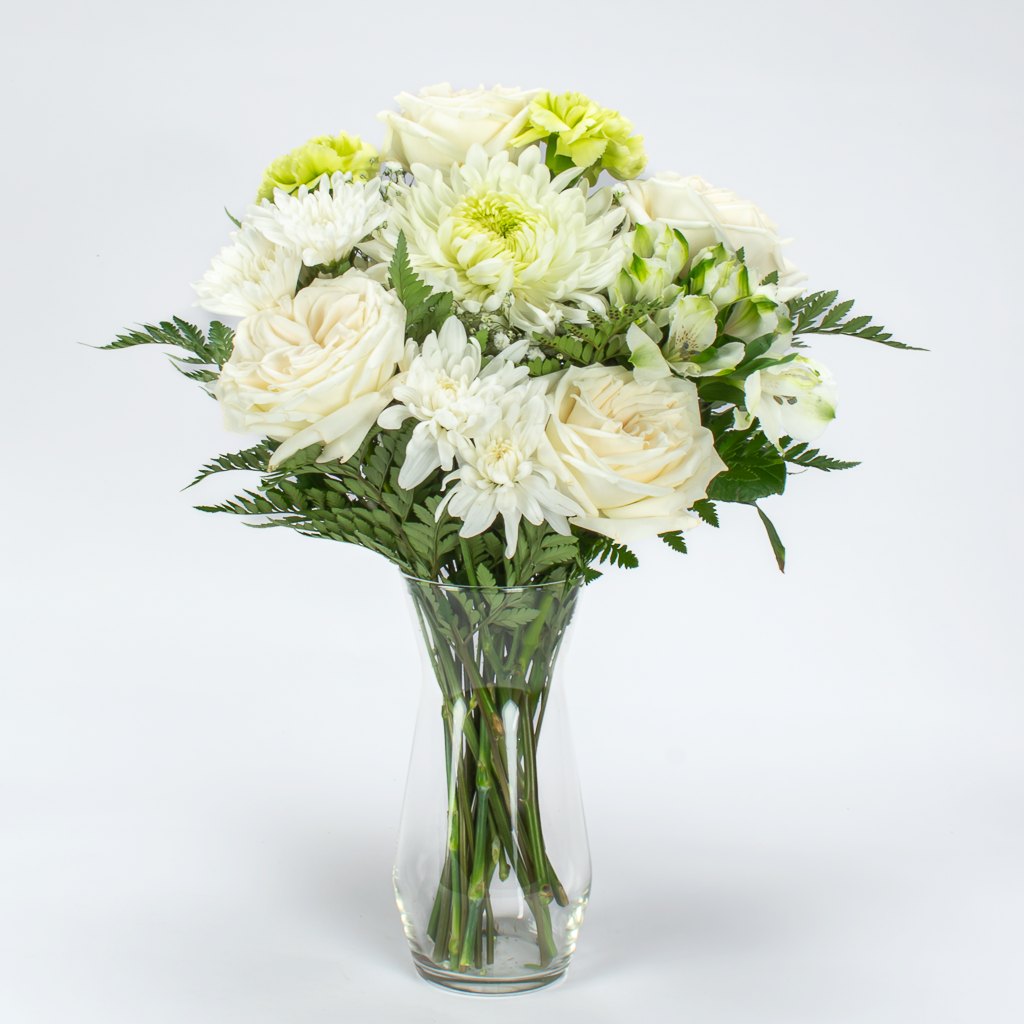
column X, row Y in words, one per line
column 493, row 867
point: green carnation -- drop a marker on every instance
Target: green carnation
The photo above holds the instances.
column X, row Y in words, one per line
column 325, row 154
column 579, row 133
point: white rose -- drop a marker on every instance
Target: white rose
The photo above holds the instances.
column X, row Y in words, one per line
column 316, row 368
column 707, row 215
column 438, row 126
column 795, row 399
column 635, row 456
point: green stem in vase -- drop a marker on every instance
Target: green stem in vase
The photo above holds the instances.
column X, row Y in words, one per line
column 494, row 682
column 491, row 930
column 455, row 930
column 479, row 879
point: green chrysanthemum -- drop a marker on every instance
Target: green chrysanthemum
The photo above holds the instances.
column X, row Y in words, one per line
column 579, row 133
column 325, row 154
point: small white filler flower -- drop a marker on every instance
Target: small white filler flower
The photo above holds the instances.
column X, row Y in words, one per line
column 499, row 475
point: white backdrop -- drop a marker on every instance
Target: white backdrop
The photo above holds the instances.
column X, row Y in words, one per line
column 804, row 792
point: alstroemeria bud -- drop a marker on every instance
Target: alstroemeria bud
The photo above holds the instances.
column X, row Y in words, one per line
column 759, row 314
column 720, row 275
column 652, row 272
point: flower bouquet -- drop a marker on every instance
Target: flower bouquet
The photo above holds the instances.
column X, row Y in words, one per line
column 496, row 355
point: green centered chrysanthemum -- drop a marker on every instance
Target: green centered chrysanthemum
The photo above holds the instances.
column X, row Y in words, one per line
column 507, row 238
column 502, row 220
column 326, row 154
column 579, row 133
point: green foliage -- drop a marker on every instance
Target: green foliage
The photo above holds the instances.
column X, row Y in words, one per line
column 542, row 367
column 675, row 540
column 360, row 502
column 707, row 511
column 596, row 549
column 801, row 454
column 614, row 553
column 425, row 309
column 821, row 313
column 220, row 342
column 778, row 548
column 204, row 354
column 253, row 459
column 756, row 467
column 178, row 333
column 602, row 340
column 715, row 390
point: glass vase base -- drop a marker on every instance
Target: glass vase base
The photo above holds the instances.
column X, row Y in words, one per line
column 479, row 983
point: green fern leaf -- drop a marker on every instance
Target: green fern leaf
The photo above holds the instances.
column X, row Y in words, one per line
column 820, row 313
column 253, row 459
column 674, row 539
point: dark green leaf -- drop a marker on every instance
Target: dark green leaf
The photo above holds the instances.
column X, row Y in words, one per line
column 756, row 468
column 776, row 541
column 675, row 541
column 707, row 511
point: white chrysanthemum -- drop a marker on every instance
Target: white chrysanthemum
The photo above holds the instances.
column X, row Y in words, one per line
column 446, row 391
column 322, row 224
column 249, row 275
column 503, row 235
column 499, row 474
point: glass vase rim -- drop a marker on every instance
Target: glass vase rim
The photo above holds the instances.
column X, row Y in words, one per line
column 475, row 587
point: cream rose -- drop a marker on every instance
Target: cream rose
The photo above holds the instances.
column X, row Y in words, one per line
column 707, row 215
column 438, row 126
column 635, row 456
column 317, row 368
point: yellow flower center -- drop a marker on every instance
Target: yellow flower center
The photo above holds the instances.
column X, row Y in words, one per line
column 499, row 215
column 499, row 449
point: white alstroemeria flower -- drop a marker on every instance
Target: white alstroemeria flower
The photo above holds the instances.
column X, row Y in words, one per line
column 795, row 399
column 249, row 275
column 325, row 223
column 692, row 330
column 445, row 389
column 504, row 237
column 499, row 475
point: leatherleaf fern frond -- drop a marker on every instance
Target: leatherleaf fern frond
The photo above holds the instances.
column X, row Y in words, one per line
column 254, row 459
column 803, row 455
column 823, row 313
column 202, row 355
